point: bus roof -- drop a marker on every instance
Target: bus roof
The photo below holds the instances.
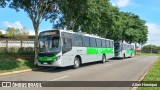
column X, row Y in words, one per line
column 80, row 33
column 123, row 43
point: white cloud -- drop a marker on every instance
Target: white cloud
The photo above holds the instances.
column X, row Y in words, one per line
column 3, row 31
column 121, row 3
column 16, row 24
column 153, row 33
column 31, row 32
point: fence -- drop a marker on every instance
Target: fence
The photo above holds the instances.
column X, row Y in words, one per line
column 15, row 46
column 8, row 43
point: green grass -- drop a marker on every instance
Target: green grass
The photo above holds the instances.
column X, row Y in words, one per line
column 153, row 75
column 148, row 54
column 17, row 62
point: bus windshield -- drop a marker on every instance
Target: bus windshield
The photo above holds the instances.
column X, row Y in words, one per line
column 49, row 44
column 117, row 47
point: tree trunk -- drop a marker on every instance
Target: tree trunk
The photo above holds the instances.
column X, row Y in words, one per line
column 135, row 48
column 36, row 28
column 21, row 43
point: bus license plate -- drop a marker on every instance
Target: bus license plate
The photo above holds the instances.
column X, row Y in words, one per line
column 45, row 63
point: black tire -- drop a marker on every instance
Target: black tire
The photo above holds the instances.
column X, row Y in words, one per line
column 103, row 59
column 76, row 63
column 124, row 56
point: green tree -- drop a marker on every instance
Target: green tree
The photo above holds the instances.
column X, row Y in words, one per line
column 3, row 3
column 22, row 33
column 115, row 29
column 105, row 10
column 10, row 32
column 136, row 31
column 128, row 27
column 0, row 33
column 101, row 18
column 37, row 11
column 151, row 49
column 90, row 16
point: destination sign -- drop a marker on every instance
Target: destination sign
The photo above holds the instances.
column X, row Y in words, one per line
column 48, row 33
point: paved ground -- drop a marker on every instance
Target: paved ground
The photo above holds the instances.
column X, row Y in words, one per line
column 130, row 69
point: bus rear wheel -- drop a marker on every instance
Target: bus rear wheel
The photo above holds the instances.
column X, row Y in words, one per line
column 124, row 56
column 76, row 63
column 103, row 59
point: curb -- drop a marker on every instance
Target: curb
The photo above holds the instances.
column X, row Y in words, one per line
column 22, row 71
column 15, row 72
column 145, row 73
column 19, row 71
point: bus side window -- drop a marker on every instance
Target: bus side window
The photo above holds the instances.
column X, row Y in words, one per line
column 85, row 41
column 92, row 42
column 67, row 45
column 107, row 43
column 77, row 40
column 67, row 42
column 98, row 41
column 110, row 44
column 103, row 43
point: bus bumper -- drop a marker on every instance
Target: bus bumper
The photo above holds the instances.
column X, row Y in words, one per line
column 56, row 63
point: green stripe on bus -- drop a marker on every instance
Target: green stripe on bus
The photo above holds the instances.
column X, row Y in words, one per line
column 129, row 51
column 93, row 50
column 47, row 58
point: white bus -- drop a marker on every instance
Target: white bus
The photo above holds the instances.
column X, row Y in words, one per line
column 62, row 48
column 123, row 50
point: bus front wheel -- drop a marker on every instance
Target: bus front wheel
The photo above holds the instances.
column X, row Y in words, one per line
column 76, row 63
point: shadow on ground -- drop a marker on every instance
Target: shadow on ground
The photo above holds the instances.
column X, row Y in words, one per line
column 118, row 58
column 61, row 69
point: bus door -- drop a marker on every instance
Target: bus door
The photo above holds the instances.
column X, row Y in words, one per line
column 66, row 50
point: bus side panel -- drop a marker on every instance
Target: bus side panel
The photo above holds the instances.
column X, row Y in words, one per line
column 93, row 54
column 121, row 53
column 81, row 51
column 110, row 54
column 66, row 58
column 129, row 53
column 86, row 57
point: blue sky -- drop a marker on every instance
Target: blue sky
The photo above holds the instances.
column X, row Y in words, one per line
column 11, row 18
column 148, row 10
